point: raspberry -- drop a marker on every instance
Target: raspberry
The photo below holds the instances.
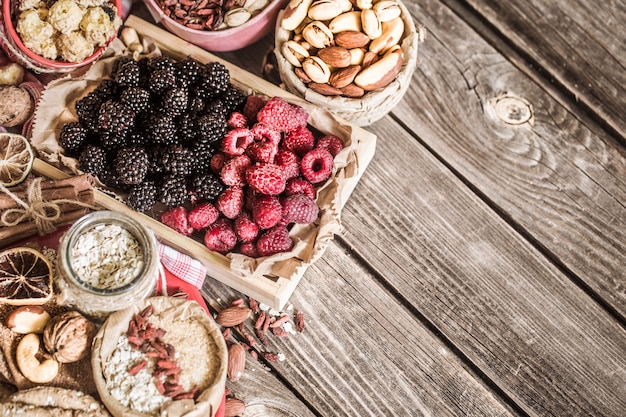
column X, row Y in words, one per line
column 266, row 211
column 300, row 186
column 280, row 115
column 249, row 249
column 289, row 162
column 234, row 170
column 245, row 228
column 299, row 141
column 202, row 216
column 236, row 120
column 266, row 178
column 230, row 202
column 217, row 162
column 299, row 208
column 220, row 236
column 236, row 141
column 252, row 106
column 316, row 165
column 262, row 151
column 176, row 218
column 264, row 133
column 273, row 241
column 331, row 143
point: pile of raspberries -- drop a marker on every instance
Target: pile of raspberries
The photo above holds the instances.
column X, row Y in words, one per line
column 270, row 163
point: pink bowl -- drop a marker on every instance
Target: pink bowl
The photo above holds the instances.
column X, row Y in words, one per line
column 30, row 58
column 226, row 39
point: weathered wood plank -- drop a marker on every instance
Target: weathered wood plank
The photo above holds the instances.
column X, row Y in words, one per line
column 578, row 43
column 515, row 316
column 362, row 353
column 561, row 182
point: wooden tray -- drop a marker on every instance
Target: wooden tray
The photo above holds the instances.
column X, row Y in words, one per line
column 275, row 290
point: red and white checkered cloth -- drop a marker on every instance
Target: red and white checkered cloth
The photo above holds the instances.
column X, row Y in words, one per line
column 184, row 267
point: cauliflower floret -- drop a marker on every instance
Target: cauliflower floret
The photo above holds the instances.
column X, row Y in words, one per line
column 97, row 25
column 65, row 16
column 73, row 47
column 37, row 35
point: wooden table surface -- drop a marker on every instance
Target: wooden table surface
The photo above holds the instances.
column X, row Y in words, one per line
column 481, row 270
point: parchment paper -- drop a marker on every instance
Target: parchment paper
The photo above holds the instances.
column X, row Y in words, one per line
column 171, row 309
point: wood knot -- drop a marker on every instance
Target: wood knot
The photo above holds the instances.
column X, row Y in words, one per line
column 512, row 110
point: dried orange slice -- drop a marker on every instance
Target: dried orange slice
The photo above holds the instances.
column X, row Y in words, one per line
column 16, row 159
column 25, row 277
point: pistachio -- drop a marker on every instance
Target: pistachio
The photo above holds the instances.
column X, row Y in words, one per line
column 346, row 21
column 316, row 69
column 387, row 10
column 294, row 53
column 370, row 23
column 345, row 5
column 255, row 5
column 236, row 17
column 317, row 34
column 364, row 4
column 324, row 10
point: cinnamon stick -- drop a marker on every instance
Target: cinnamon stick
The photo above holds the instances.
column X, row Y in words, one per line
column 9, row 235
column 68, row 188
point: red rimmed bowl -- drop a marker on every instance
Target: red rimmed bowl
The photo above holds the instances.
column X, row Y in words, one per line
column 221, row 40
column 12, row 44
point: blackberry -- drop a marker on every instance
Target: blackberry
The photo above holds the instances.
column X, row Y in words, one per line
column 118, row 64
column 106, row 90
column 161, row 80
column 207, row 186
column 128, row 74
column 161, row 62
column 115, row 121
column 215, row 77
column 161, row 129
column 210, row 128
column 87, row 109
column 174, row 101
column 233, row 99
column 93, row 160
column 196, row 103
column 72, row 137
column 136, row 98
column 186, row 124
column 111, row 179
column 155, row 160
column 173, row 191
column 188, row 71
column 202, row 153
column 143, row 196
column 217, row 107
column 178, row 160
column 131, row 165
column 137, row 138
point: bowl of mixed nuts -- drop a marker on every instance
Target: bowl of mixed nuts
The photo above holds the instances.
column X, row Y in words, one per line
column 217, row 25
column 354, row 57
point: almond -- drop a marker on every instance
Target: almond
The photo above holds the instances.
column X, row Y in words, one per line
column 344, row 76
column 352, row 91
column 234, row 407
column 325, row 89
column 369, row 58
column 232, row 316
column 302, row 75
column 335, row 56
column 350, row 39
column 382, row 72
column 236, row 361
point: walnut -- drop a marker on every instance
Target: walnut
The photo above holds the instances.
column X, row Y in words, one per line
column 16, row 105
column 68, row 336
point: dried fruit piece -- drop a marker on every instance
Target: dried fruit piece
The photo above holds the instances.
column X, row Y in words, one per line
column 25, row 277
column 16, row 159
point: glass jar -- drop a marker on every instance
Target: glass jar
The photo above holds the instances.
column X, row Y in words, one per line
column 106, row 261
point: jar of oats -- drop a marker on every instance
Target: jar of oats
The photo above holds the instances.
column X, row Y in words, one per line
column 106, row 261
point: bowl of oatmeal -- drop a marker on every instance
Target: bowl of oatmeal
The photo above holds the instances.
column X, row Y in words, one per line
column 162, row 356
column 59, row 35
